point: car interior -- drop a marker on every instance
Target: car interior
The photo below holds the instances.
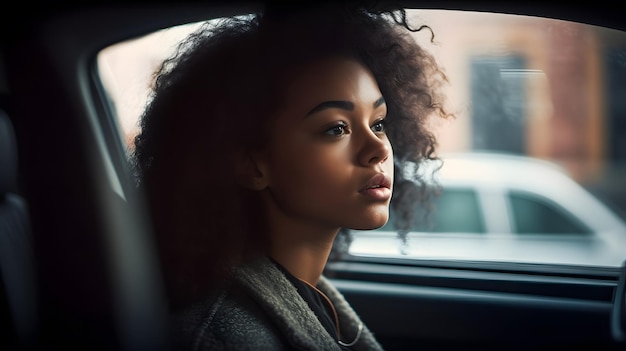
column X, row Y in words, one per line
column 78, row 263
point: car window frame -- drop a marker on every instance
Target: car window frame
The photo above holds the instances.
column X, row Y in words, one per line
column 499, row 266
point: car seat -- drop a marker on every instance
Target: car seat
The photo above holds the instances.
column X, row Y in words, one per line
column 18, row 294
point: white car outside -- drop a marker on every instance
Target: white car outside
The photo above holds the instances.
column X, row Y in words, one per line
column 497, row 207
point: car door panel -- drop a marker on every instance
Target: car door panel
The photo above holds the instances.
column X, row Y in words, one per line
column 410, row 307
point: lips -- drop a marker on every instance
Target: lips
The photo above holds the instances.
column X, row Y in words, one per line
column 378, row 187
column 380, row 180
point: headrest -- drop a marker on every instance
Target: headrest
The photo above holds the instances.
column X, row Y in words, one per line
column 8, row 156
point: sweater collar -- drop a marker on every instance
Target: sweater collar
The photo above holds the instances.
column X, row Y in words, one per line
column 280, row 299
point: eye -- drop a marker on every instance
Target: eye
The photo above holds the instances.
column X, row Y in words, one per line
column 379, row 126
column 336, row 130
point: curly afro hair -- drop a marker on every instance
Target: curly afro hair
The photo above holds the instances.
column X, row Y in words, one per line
column 215, row 97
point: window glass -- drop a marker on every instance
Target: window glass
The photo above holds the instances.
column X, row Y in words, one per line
column 536, row 215
column 539, row 108
column 454, row 210
column 127, row 70
column 457, row 210
column 498, row 102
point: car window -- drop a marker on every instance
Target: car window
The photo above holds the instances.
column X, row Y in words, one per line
column 539, row 109
column 538, row 215
column 457, row 210
column 126, row 71
column 453, row 210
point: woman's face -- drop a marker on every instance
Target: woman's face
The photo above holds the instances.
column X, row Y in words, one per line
column 329, row 162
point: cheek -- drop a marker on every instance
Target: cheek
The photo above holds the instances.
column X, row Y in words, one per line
column 321, row 166
column 388, row 165
column 305, row 171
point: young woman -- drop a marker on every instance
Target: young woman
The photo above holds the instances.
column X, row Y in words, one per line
column 265, row 136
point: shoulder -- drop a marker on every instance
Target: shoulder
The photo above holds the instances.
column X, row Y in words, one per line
column 227, row 320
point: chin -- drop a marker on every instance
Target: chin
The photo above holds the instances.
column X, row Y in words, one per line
column 374, row 222
column 366, row 227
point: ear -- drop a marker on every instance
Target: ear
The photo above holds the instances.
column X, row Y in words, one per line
column 250, row 171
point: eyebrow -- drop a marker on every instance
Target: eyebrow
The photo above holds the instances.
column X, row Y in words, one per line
column 380, row 101
column 341, row 104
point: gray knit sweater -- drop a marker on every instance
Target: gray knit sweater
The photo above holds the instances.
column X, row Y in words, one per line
column 262, row 310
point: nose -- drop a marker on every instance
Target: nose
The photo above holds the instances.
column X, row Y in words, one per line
column 375, row 149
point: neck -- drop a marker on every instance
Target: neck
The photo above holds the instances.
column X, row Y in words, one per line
column 305, row 261
column 299, row 245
